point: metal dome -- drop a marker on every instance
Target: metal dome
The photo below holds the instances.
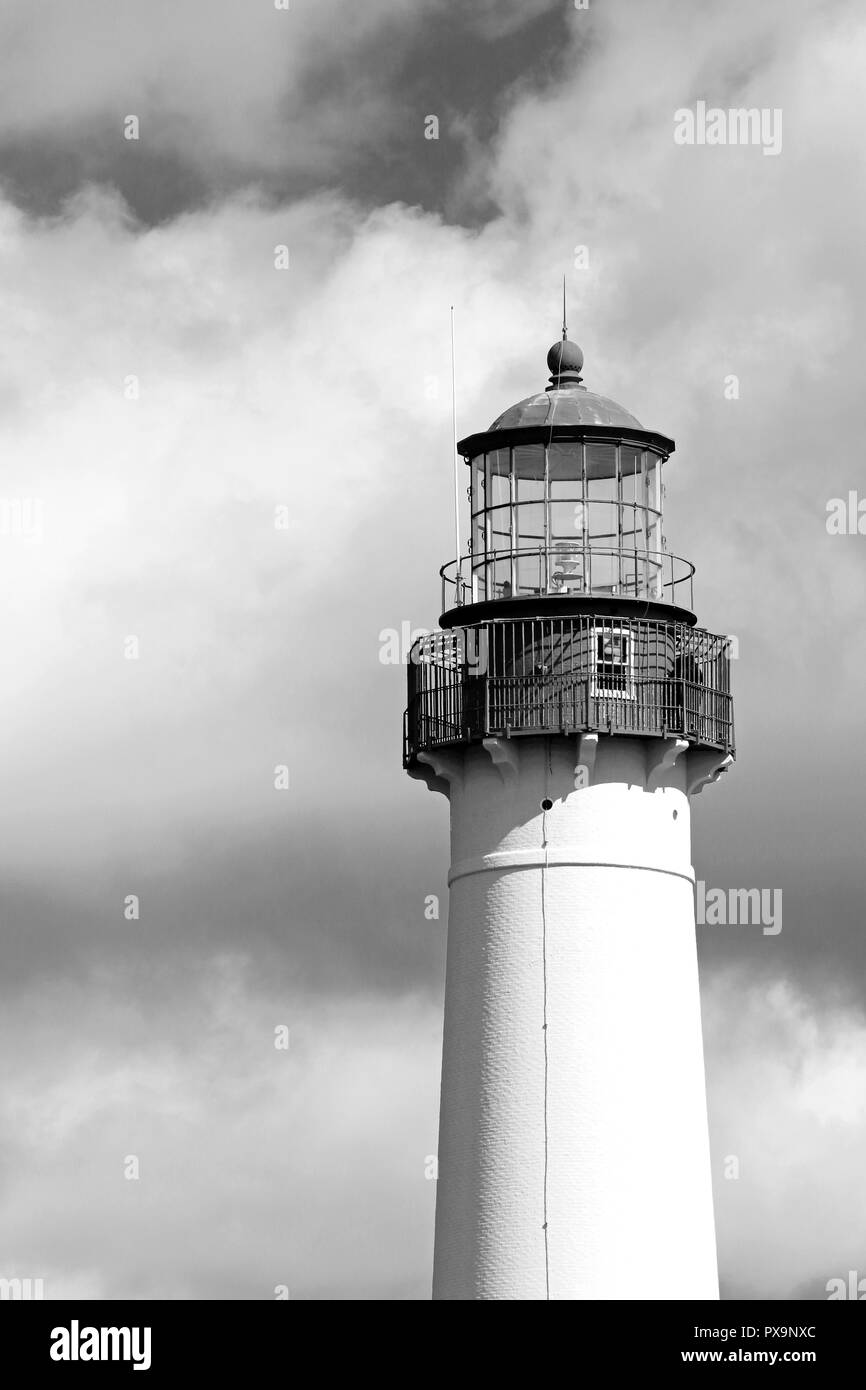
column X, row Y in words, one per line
column 566, row 405
column 565, row 402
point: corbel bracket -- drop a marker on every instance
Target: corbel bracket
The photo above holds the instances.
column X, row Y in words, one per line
column 705, row 765
column 505, row 756
column 661, row 756
column 439, row 770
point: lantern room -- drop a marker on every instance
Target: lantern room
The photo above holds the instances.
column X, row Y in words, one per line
column 566, row 502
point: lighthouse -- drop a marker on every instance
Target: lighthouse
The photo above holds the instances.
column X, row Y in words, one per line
column 570, row 709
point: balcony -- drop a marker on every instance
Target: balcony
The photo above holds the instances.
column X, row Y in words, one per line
column 568, row 569
column 624, row 676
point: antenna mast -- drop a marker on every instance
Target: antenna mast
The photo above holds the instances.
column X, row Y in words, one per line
column 456, row 463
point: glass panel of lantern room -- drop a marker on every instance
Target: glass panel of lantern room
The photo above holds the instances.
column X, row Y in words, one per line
column 565, row 489
column 565, row 471
column 528, row 462
column 652, row 466
column 499, row 478
column 530, row 541
column 633, row 527
column 478, row 533
column 602, row 494
column 603, row 517
column 478, row 484
column 640, row 518
column 653, row 500
column 631, row 490
column 498, row 522
column 499, row 576
column 566, row 524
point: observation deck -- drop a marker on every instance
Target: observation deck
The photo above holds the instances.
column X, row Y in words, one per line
column 630, row 676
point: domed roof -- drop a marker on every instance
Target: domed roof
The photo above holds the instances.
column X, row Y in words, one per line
column 567, row 405
column 565, row 402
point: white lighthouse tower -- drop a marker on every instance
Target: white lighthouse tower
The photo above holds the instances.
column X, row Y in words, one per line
column 569, row 709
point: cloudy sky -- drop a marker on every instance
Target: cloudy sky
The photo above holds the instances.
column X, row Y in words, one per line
column 167, row 394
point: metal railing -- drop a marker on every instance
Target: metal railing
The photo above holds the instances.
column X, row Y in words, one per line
column 566, row 568
column 544, row 676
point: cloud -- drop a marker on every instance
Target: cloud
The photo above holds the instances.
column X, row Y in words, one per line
column 787, row 1081
column 498, row 18
column 179, row 104
column 258, row 647
column 708, row 262
column 324, row 389
column 257, row 1167
column 221, row 81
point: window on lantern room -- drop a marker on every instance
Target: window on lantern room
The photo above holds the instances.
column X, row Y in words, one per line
column 600, row 463
column 528, row 462
column 499, row 478
column 631, row 475
column 602, row 493
column 631, row 471
column 565, row 489
column 528, row 570
column 565, row 471
column 479, row 486
column 529, row 473
column 499, row 577
column 478, row 494
column 652, row 465
column 632, row 491
column 632, row 527
column 500, row 530
column 567, row 521
column 498, row 494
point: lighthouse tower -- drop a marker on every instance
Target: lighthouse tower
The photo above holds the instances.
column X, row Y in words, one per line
column 569, row 709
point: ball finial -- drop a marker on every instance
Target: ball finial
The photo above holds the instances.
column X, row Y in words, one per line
column 565, row 361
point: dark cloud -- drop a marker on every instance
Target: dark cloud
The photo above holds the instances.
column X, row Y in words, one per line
column 326, row 390
column 330, row 114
